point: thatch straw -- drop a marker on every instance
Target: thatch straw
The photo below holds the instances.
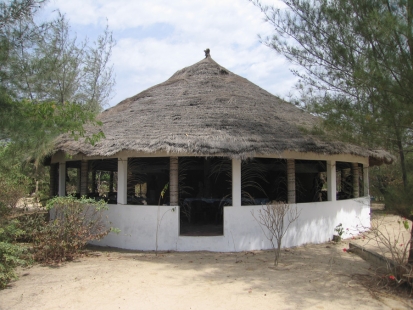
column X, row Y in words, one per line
column 207, row 110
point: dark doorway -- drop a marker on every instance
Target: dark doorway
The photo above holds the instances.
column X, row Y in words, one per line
column 204, row 190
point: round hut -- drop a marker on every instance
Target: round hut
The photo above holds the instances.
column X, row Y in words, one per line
column 185, row 165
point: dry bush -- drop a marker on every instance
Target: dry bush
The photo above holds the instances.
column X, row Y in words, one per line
column 392, row 241
column 275, row 218
column 74, row 222
column 10, row 194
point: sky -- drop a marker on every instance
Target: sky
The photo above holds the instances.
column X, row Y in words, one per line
column 156, row 38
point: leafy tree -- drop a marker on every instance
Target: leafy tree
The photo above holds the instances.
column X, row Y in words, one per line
column 15, row 182
column 49, row 83
column 45, row 63
column 355, row 64
column 16, row 10
column 30, row 129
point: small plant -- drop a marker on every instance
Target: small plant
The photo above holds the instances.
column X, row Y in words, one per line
column 163, row 192
column 276, row 217
column 339, row 230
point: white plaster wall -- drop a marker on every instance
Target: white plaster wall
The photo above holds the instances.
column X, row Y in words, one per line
column 315, row 224
column 137, row 225
column 241, row 231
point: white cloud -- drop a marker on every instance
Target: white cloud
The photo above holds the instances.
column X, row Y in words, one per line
column 142, row 59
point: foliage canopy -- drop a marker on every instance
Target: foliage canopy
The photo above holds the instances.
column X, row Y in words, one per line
column 49, row 82
column 354, row 61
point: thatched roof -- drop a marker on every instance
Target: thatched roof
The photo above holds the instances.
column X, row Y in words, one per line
column 207, row 110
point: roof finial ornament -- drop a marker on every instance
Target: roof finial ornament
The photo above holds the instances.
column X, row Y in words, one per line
column 207, row 53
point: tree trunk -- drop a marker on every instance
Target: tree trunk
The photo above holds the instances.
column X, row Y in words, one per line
column 404, row 174
column 401, row 156
column 410, row 259
column 277, row 253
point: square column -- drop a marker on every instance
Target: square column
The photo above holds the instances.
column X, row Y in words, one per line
column 291, row 180
column 331, row 181
column 236, row 183
column 62, row 179
column 123, row 181
column 173, row 181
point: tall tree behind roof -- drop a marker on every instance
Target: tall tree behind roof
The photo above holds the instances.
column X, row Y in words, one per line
column 356, row 60
column 46, row 62
column 49, row 84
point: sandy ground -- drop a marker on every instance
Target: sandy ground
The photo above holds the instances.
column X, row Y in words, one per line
column 308, row 277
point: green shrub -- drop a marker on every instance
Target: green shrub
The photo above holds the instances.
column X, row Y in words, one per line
column 10, row 231
column 30, row 224
column 73, row 223
column 11, row 254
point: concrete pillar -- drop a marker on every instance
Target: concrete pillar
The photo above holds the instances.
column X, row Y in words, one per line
column 173, row 181
column 331, row 181
column 291, row 180
column 123, row 181
column 356, row 181
column 83, row 177
column 236, row 182
column 366, row 181
column 62, row 179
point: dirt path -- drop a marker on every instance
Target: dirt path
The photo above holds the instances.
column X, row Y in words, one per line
column 309, row 277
